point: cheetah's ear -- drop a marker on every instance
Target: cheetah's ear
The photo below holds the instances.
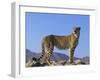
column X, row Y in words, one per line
column 79, row 28
column 76, row 28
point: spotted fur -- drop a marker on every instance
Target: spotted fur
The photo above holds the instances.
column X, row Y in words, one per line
column 61, row 42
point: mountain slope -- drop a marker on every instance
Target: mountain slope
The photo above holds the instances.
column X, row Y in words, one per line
column 56, row 56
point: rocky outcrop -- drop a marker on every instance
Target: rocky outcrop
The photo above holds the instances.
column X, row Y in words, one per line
column 32, row 59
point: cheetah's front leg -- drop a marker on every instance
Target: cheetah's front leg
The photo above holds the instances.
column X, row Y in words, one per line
column 71, row 55
column 49, row 53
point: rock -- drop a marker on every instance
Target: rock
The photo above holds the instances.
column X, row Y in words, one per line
column 32, row 59
column 30, row 63
column 77, row 61
column 85, row 60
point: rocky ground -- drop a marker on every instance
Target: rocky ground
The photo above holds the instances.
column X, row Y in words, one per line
column 32, row 59
column 33, row 63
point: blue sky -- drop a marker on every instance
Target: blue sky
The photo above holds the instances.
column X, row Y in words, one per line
column 39, row 25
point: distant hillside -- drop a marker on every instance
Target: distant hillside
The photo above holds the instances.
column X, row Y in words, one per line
column 30, row 55
column 85, row 60
column 59, row 56
column 56, row 56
